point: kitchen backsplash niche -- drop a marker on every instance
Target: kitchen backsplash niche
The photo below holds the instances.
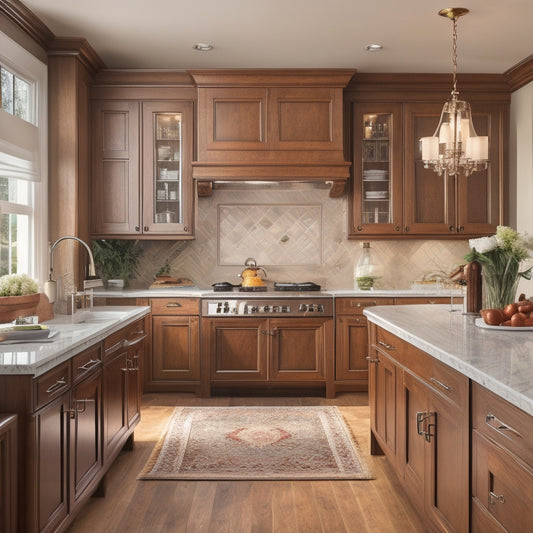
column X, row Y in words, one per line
column 297, row 233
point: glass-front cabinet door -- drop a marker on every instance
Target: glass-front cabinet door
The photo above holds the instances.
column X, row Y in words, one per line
column 167, row 175
column 376, row 206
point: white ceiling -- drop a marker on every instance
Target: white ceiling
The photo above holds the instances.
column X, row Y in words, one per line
column 159, row 34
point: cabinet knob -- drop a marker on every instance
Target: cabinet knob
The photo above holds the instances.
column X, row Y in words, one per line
column 452, row 228
column 495, row 498
column 371, row 360
column 145, row 228
column 407, row 228
column 461, row 228
column 396, row 228
column 186, row 228
column 359, row 228
column 137, row 228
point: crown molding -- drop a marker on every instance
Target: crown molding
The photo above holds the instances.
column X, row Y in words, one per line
column 79, row 47
column 27, row 21
column 521, row 74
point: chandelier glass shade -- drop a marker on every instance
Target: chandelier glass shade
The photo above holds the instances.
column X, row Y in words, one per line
column 455, row 148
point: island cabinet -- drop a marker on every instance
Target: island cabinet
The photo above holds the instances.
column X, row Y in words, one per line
column 141, row 169
column 272, row 352
column 175, row 361
column 419, row 419
column 392, row 193
column 8, row 473
column 502, row 465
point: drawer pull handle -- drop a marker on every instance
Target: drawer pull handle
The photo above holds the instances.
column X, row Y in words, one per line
column 363, row 304
column 496, row 424
column 128, row 344
column 421, row 419
column 385, row 345
column 56, row 386
column 371, row 360
column 494, row 498
column 174, row 304
column 441, row 384
column 90, row 364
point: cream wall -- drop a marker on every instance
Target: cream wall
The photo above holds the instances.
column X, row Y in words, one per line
column 521, row 167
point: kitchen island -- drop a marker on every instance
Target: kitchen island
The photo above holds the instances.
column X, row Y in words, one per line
column 77, row 398
column 451, row 402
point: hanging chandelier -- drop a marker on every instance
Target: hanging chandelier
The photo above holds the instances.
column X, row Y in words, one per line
column 455, row 148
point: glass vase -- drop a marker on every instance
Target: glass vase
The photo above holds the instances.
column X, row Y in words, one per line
column 499, row 289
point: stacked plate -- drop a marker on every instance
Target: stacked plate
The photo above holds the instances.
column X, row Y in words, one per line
column 375, row 175
column 376, row 195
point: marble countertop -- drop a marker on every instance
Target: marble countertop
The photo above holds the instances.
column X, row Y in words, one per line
column 501, row 361
column 38, row 357
column 195, row 292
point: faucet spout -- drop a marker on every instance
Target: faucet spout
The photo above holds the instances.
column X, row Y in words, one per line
column 50, row 286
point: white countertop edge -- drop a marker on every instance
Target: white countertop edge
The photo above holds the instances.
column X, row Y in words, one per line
column 131, row 314
column 474, row 373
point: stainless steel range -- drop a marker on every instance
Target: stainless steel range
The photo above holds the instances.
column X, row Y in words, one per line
column 306, row 305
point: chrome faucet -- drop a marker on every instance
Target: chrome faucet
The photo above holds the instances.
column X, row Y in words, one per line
column 50, row 287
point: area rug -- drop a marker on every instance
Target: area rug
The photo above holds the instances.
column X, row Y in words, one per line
column 256, row 443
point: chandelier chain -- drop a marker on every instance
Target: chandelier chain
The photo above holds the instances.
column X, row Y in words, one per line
column 454, row 57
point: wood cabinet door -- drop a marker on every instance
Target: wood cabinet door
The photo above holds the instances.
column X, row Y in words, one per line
column 479, row 202
column 305, row 118
column 231, row 119
column 115, row 168
column 51, row 484
column 175, row 348
column 85, row 434
column 429, row 206
column 167, row 168
column 447, row 483
column 115, row 415
column 238, row 349
column 351, row 349
column 297, row 349
column 376, row 196
column 8, row 474
column 134, row 364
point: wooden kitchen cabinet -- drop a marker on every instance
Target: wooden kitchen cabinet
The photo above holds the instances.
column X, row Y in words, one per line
column 502, row 465
column 174, row 364
column 351, row 351
column 153, row 200
column 420, row 420
column 287, row 352
column 392, row 194
column 8, row 473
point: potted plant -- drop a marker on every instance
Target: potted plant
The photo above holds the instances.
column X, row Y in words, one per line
column 117, row 260
column 19, row 296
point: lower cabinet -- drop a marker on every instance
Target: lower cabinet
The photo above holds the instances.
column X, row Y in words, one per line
column 502, row 465
column 8, row 473
column 284, row 352
column 420, row 420
column 175, row 361
column 74, row 419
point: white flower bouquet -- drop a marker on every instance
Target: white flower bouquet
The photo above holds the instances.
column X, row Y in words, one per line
column 17, row 285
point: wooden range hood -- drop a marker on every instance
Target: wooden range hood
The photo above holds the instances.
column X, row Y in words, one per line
column 271, row 125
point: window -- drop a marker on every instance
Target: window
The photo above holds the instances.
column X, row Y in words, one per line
column 23, row 162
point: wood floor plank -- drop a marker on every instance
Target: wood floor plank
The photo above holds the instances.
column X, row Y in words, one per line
column 151, row 506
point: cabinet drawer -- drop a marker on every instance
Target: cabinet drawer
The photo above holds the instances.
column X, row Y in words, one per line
column 391, row 345
column 118, row 340
column 51, row 385
column 502, row 485
column 175, row 306
column 411, row 300
column 502, row 422
column 85, row 362
column 439, row 376
column 356, row 306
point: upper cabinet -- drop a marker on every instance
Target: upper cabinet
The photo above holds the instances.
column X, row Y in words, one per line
column 271, row 125
column 142, row 150
column 392, row 194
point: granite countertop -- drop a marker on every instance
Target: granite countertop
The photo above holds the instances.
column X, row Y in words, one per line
column 501, row 361
column 195, row 292
column 38, row 357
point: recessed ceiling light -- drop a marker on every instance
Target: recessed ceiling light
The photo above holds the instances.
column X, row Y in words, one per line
column 203, row 47
column 373, row 47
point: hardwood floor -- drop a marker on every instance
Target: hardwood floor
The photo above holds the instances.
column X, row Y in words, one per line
column 378, row 505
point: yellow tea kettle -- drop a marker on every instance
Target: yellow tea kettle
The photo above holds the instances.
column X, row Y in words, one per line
column 250, row 275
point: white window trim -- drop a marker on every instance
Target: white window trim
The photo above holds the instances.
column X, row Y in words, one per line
column 27, row 66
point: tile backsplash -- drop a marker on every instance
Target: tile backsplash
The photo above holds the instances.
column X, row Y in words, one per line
column 297, row 233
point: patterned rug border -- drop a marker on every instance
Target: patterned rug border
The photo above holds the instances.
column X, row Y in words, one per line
column 364, row 473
